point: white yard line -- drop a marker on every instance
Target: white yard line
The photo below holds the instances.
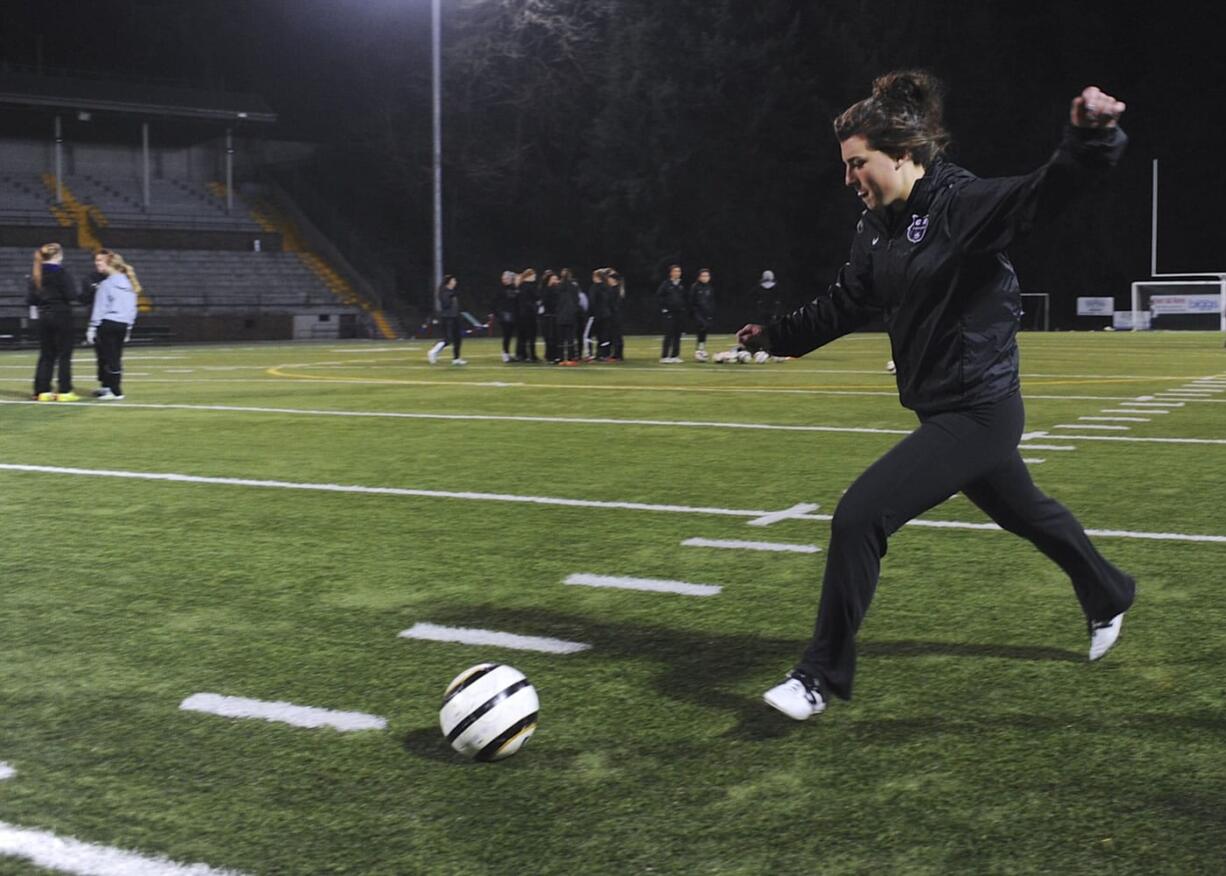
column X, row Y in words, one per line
column 396, row 415
column 554, row 501
column 1033, row 461
column 6, row 771
column 1156, row 404
column 1133, row 411
column 281, row 713
column 651, row 585
column 1118, row 419
column 734, row 544
column 1088, row 426
column 1139, row 440
column 66, row 855
column 492, row 639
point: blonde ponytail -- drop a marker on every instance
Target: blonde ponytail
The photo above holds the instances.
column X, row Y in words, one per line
column 115, row 260
column 44, row 253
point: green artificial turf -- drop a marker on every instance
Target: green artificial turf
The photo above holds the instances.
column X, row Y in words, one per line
column 979, row 741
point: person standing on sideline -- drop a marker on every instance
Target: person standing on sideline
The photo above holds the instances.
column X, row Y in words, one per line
column 767, row 303
column 89, row 290
column 504, row 309
column 583, row 326
column 928, row 258
column 597, row 316
column 671, row 298
column 568, row 313
column 110, row 323
column 527, row 301
column 51, row 291
column 702, row 311
column 449, row 320
column 549, row 314
column 615, row 297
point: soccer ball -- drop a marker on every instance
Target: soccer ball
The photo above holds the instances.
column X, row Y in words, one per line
column 744, row 357
column 489, row 711
column 761, row 357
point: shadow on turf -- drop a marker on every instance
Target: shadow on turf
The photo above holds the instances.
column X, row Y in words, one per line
column 701, row 667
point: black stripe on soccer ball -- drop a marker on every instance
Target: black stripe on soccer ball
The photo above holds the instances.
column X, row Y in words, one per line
column 491, row 751
column 480, row 673
column 476, row 713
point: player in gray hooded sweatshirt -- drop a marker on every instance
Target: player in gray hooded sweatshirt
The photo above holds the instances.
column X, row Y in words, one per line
column 110, row 324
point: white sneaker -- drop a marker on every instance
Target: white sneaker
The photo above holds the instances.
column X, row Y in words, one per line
column 799, row 696
column 110, row 396
column 1103, row 635
column 700, row 356
column 102, row 393
column 665, row 360
column 506, row 357
column 459, row 361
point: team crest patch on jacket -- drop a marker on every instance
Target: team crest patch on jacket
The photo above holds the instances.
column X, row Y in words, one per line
column 917, row 229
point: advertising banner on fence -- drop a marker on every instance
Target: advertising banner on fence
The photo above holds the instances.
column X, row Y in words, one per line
column 1163, row 304
column 1095, row 306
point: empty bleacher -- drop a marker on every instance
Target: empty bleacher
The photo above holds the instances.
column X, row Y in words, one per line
column 173, row 203
column 195, row 282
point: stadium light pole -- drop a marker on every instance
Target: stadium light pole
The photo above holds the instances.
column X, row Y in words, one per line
column 436, row 67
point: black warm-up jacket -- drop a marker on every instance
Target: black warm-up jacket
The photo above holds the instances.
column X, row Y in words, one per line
column 937, row 274
column 57, row 294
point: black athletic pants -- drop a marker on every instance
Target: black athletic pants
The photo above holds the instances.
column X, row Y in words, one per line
column 549, row 330
column 110, row 340
column 508, row 332
column 452, row 334
column 525, row 338
column 567, row 342
column 54, row 349
column 671, row 348
column 973, row 451
column 700, row 330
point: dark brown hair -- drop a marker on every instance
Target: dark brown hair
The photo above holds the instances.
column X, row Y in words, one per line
column 904, row 115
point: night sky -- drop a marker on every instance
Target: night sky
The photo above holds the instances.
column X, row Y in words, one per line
column 337, row 70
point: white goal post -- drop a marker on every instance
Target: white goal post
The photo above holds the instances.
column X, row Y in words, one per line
column 1038, row 304
column 1154, row 299
column 1199, row 293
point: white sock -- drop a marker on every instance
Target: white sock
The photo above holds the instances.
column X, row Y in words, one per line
column 439, row 346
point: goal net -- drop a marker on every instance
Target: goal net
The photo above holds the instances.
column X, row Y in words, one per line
column 1197, row 305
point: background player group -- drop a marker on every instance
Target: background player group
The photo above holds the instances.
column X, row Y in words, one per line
column 577, row 325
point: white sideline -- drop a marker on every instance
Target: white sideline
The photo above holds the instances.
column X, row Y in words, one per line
column 573, row 503
column 492, row 639
column 734, row 544
column 6, row 771
column 653, row 585
column 281, row 713
column 1133, row 411
column 1118, row 419
column 45, row 849
column 1157, row 404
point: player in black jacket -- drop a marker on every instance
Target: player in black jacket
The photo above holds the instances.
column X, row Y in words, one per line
column 929, row 260
column 51, row 291
column 671, row 298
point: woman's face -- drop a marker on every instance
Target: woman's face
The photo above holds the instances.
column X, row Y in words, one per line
column 100, row 264
column 704, row 277
column 873, row 175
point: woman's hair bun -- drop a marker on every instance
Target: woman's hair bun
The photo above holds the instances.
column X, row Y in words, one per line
column 915, row 90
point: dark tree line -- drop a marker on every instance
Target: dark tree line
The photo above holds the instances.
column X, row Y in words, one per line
column 637, row 133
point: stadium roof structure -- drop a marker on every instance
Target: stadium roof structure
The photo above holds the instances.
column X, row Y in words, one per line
column 73, row 93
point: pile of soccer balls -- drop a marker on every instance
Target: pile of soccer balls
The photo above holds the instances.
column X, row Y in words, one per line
column 741, row 356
